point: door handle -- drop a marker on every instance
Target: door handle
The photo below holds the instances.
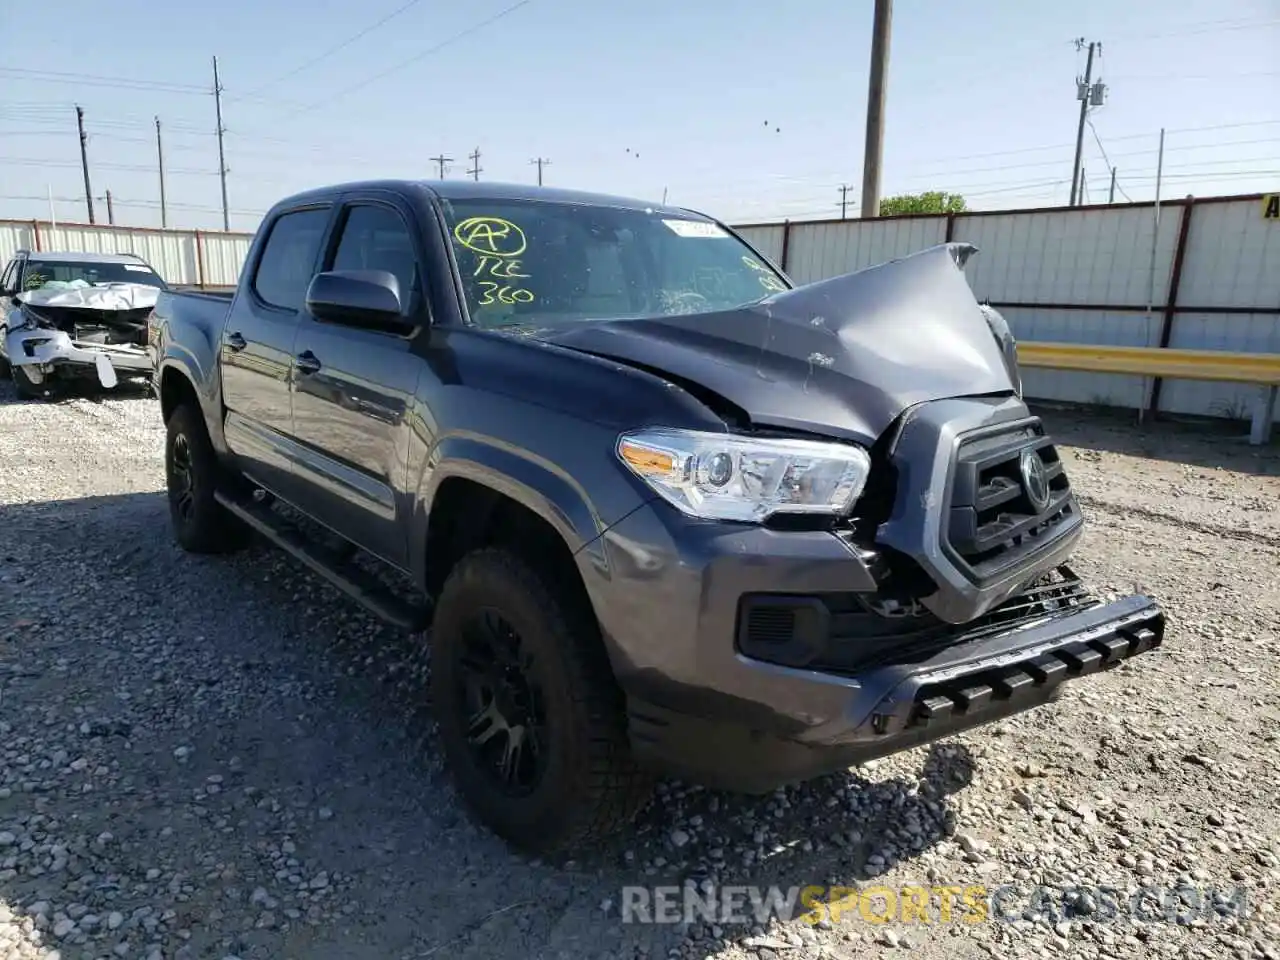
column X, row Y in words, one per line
column 306, row 362
column 236, row 342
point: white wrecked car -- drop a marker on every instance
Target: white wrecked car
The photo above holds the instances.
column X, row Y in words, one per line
column 67, row 316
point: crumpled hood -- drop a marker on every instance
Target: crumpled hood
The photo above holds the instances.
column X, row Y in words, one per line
column 843, row 357
column 104, row 296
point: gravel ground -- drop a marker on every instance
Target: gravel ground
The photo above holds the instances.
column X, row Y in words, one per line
column 205, row 757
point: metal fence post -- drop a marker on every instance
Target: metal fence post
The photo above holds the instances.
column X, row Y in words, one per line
column 199, row 261
column 1171, row 300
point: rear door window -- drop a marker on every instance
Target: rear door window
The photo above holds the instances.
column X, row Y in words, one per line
column 288, row 260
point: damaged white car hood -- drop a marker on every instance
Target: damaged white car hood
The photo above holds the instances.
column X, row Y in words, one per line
column 104, row 296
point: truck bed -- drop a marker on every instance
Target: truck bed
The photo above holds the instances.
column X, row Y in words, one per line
column 206, row 309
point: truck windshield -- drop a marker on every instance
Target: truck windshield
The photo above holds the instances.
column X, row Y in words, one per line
column 74, row 273
column 537, row 262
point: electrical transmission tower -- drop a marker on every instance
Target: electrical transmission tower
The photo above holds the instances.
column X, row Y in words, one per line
column 844, row 199
column 1090, row 94
column 222, row 158
column 442, row 162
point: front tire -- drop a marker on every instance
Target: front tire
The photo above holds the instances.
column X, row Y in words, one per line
column 531, row 719
column 27, row 388
column 200, row 523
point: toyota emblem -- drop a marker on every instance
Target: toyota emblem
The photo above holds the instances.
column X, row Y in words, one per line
column 1034, row 479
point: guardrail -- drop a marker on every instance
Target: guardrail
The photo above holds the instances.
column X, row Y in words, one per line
column 1262, row 369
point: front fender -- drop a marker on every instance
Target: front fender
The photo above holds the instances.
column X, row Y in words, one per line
column 535, row 483
column 549, row 489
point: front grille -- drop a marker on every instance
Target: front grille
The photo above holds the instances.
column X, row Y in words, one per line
column 992, row 521
column 98, row 326
column 850, row 633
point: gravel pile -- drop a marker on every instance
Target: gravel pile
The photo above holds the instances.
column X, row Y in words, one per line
column 226, row 758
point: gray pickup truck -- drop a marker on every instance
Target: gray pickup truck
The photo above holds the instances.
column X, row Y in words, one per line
column 664, row 511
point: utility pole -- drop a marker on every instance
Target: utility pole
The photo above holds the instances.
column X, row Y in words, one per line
column 844, row 200
column 874, row 149
column 164, row 210
column 541, row 162
column 1111, row 195
column 441, row 161
column 476, row 169
column 111, row 212
column 84, row 161
column 1089, row 94
column 222, row 161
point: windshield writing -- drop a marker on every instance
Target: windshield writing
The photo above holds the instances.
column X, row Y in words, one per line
column 542, row 262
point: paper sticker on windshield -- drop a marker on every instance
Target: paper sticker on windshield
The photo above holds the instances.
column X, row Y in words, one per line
column 694, row 228
column 135, row 268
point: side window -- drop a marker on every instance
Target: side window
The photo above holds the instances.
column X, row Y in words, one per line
column 289, row 259
column 9, row 279
column 375, row 238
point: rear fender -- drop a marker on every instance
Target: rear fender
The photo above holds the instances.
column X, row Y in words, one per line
column 190, row 350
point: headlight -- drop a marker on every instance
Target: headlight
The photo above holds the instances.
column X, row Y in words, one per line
column 720, row 476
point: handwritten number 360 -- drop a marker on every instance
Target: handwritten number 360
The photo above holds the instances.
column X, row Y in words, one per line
column 493, row 293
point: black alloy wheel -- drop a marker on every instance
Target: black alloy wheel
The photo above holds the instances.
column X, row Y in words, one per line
column 503, row 704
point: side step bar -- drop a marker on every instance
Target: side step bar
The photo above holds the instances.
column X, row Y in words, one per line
column 361, row 586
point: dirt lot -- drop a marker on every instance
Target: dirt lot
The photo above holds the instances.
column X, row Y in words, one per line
column 226, row 758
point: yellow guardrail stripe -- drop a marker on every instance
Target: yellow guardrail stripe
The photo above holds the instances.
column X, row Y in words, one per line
column 1153, row 362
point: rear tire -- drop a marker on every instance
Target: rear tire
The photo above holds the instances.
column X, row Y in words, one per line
column 564, row 738
column 192, row 472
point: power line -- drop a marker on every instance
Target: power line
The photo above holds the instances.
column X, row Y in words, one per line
column 1209, row 26
column 329, row 52
column 131, row 83
column 1127, row 136
column 352, row 88
column 69, row 164
column 52, row 116
column 947, row 174
column 1166, row 77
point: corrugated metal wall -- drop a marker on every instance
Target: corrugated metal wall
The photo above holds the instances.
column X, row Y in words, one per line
column 1086, row 275
column 180, row 256
column 828, row 249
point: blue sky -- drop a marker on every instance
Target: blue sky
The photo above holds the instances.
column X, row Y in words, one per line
column 748, row 111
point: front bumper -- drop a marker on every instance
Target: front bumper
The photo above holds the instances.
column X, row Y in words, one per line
column 698, row 708
column 53, row 351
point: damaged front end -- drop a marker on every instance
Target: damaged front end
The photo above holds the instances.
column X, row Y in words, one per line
column 95, row 332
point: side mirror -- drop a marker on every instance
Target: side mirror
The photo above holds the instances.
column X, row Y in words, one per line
column 369, row 299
